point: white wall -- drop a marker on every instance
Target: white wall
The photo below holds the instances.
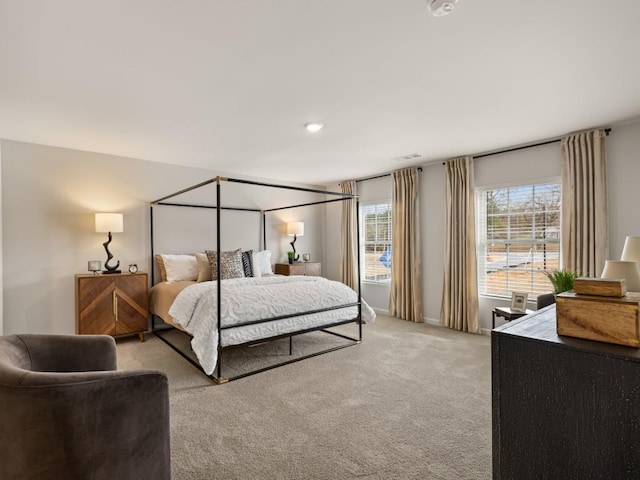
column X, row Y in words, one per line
column 623, row 178
column 49, row 196
column 332, row 253
column 432, row 225
column 522, row 166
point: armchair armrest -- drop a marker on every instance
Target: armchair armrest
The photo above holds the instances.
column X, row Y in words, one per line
column 70, row 353
column 106, row 425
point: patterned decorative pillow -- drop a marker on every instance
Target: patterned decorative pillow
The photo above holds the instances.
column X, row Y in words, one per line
column 247, row 263
column 230, row 264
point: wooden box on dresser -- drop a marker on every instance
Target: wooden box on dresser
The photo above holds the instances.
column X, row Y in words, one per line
column 113, row 304
column 563, row 407
column 312, row 269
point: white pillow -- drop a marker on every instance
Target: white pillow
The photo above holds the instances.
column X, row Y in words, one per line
column 262, row 263
column 180, row 267
column 256, row 265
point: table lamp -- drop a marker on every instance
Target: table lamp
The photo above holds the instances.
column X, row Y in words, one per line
column 623, row 269
column 294, row 229
column 111, row 223
column 631, row 249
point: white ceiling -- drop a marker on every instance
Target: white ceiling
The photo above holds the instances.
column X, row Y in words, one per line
column 228, row 84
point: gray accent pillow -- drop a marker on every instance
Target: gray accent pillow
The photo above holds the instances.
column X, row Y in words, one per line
column 230, row 264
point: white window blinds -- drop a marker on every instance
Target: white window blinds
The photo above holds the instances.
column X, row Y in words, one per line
column 518, row 238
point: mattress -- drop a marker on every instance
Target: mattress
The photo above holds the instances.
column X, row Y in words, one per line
column 162, row 296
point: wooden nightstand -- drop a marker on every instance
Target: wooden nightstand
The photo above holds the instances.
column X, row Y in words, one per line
column 302, row 268
column 113, row 304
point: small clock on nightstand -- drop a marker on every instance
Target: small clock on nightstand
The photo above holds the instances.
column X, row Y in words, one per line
column 133, row 268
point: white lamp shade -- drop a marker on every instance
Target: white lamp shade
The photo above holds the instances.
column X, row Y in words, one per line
column 295, row 228
column 631, row 250
column 623, row 269
column 109, row 222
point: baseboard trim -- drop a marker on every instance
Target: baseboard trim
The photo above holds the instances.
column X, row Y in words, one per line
column 432, row 321
column 436, row 322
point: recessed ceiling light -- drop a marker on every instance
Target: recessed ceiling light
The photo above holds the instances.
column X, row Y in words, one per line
column 313, row 127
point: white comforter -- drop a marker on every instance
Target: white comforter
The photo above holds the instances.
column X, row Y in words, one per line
column 246, row 299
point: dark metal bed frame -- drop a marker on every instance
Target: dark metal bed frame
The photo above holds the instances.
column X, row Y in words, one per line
column 217, row 377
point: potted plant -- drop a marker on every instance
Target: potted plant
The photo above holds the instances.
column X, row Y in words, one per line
column 291, row 256
column 562, row 280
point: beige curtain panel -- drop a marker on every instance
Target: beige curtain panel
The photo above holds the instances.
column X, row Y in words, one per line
column 460, row 289
column 406, row 264
column 348, row 245
column 585, row 217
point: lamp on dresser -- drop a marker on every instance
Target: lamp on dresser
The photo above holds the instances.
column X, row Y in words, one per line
column 631, row 250
column 294, row 229
column 109, row 223
column 623, row 269
column 628, row 267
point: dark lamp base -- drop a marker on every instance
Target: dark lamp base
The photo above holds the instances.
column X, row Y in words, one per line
column 107, row 272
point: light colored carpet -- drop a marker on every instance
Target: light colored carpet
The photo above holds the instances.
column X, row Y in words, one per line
column 413, row 401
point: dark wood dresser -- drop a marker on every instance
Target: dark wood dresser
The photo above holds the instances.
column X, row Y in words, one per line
column 563, row 407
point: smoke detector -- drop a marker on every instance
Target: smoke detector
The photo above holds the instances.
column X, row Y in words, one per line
column 439, row 8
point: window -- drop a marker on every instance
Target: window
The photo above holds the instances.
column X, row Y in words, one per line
column 518, row 238
column 375, row 219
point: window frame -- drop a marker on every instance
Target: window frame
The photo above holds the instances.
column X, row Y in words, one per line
column 364, row 243
column 481, row 243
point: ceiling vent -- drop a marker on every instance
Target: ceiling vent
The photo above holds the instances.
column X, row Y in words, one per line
column 411, row 156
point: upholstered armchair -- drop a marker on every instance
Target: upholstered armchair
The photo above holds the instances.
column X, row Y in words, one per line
column 66, row 413
column 545, row 300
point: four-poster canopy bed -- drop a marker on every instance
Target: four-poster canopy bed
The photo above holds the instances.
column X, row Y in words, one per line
column 232, row 312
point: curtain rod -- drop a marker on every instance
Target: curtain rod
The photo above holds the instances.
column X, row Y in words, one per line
column 607, row 131
column 380, row 176
column 522, row 147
